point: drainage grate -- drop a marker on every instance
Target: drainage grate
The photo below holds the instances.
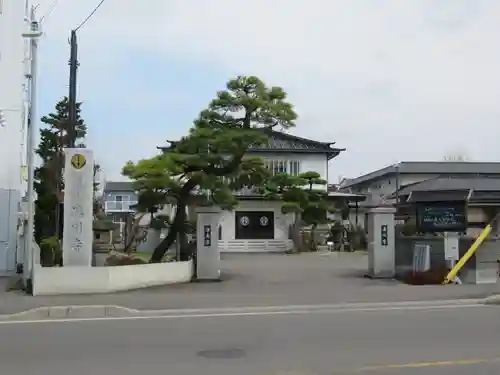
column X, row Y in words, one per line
column 222, row 353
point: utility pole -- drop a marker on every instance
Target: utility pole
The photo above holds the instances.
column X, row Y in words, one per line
column 68, row 139
column 73, row 67
column 32, row 35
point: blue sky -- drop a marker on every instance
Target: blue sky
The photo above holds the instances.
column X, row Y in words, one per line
column 390, row 80
column 134, row 104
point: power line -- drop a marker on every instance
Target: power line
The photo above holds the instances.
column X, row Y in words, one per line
column 90, row 15
column 72, row 109
column 50, row 9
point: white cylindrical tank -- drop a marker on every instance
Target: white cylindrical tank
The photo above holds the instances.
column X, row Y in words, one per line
column 12, row 56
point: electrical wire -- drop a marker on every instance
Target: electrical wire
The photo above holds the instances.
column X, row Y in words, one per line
column 91, row 14
column 50, row 9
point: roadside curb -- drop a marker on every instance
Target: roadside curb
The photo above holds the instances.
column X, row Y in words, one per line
column 492, row 300
column 72, row 312
column 112, row 311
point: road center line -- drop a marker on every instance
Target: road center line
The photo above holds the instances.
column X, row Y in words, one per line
column 244, row 313
column 464, row 362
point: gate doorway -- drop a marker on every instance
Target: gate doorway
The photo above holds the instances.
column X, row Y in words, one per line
column 254, row 225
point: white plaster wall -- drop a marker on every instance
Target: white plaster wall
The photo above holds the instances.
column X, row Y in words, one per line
column 9, row 202
column 89, row 280
column 308, row 162
column 11, row 91
column 11, row 103
column 281, row 221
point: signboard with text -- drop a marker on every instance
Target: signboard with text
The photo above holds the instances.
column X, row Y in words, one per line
column 207, row 235
column 442, row 217
column 78, row 217
column 384, row 241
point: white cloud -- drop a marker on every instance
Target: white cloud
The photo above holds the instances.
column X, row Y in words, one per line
column 389, row 80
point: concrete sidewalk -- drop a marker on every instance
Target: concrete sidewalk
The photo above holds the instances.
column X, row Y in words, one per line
column 265, row 280
column 197, row 296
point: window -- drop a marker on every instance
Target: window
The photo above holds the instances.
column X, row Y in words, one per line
column 118, row 219
column 281, row 166
column 275, row 167
column 122, row 198
column 294, row 167
column 284, row 166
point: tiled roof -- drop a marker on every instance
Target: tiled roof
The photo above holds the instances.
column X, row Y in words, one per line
column 287, row 142
column 453, row 184
column 429, row 167
column 118, row 186
column 281, row 140
column 475, row 189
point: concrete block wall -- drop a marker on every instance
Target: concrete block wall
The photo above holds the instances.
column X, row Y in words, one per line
column 404, row 252
column 482, row 267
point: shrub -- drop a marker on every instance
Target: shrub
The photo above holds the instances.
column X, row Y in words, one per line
column 357, row 238
column 50, row 252
column 434, row 276
column 336, row 230
column 307, row 244
column 121, row 259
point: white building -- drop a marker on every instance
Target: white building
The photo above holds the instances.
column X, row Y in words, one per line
column 258, row 225
column 12, row 52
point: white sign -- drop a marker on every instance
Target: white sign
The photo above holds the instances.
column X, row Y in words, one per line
column 421, row 257
column 451, row 247
column 78, row 216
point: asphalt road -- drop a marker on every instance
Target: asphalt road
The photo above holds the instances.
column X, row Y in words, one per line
column 423, row 341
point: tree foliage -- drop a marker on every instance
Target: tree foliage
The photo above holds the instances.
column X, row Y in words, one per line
column 97, row 206
column 306, row 196
column 209, row 164
column 54, row 136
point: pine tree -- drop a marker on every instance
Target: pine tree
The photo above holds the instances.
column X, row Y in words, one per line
column 96, row 200
column 309, row 205
column 48, row 180
column 211, row 157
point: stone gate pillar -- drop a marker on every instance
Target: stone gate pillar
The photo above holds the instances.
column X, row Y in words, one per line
column 381, row 242
column 207, row 244
column 78, row 207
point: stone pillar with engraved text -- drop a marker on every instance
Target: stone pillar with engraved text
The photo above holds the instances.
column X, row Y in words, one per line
column 78, row 215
